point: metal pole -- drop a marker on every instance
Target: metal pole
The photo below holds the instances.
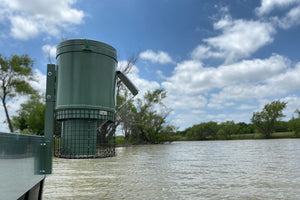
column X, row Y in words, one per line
column 49, row 117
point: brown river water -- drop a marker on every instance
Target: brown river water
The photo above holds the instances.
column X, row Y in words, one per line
column 240, row 169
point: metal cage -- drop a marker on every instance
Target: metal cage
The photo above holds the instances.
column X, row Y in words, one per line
column 84, row 133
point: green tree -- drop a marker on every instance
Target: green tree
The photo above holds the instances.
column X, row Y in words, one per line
column 295, row 123
column 15, row 74
column 265, row 121
column 190, row 133
column 149, row 125
column 125, row 115
column 245, row 128
column 230, row 127
column 221, row 134
column 282, row 126
column 31, row 117
column 203, row 131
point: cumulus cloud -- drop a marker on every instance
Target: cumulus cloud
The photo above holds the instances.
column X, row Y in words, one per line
column 275, row 85
column 290, row 8
column 268, row 5
column 159, row 57
column 28, row 19
column 246, row 107
column 239, row 38
column 290, row 19
column 192, row 77
column 39, row 82
column 203, row 52
column 293, row 102
column 160, row 74
column 23, row 28
column 49, row 51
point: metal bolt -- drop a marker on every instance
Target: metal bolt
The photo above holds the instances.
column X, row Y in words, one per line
column 48, row 96
column 49, row 73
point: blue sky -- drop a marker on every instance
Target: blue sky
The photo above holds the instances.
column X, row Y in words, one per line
column 218, row 60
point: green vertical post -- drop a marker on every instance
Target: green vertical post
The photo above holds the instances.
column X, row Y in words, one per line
column 49, row 117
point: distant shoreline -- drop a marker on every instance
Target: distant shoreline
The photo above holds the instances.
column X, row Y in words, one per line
column 121, row 142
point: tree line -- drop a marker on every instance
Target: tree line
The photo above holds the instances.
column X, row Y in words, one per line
column 265, row 122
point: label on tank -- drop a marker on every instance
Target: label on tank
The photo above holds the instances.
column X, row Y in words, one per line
column 103, row 112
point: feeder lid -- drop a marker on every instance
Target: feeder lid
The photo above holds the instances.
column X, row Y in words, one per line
column 79, row 45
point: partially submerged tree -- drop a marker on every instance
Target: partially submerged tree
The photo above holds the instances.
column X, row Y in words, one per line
column 265, row 121
column 149, row 125
column 139, row 119
column 15, row 74
column 124, row 115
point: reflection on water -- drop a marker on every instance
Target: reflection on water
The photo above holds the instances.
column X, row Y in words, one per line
column 246, row 169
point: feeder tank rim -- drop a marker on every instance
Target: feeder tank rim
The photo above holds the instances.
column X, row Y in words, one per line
column 79, row 45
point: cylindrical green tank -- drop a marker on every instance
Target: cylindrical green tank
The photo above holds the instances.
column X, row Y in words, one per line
column 86, row 75
column 85, row 93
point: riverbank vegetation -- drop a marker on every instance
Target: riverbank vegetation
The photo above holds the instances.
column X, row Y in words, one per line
column 234, row 131
column 179, row 136
column 265, row 124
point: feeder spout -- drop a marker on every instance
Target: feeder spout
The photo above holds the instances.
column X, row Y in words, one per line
column 127, row 82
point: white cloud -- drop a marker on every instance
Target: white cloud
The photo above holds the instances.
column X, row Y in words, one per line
column 191, row 77
column 23, row 28
column 293, row 103
column 40, row 81
column 203, row 52
column 185, row 102
column 49, row 51
column 252, row 70
column 185, row 79
column 246, row 107
column 33, row 17
column 159, row 57
column 239, row 38
column 291, row 19
column 274, row 86
column 290, row 8
column 160, row 74
column 268, row 5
